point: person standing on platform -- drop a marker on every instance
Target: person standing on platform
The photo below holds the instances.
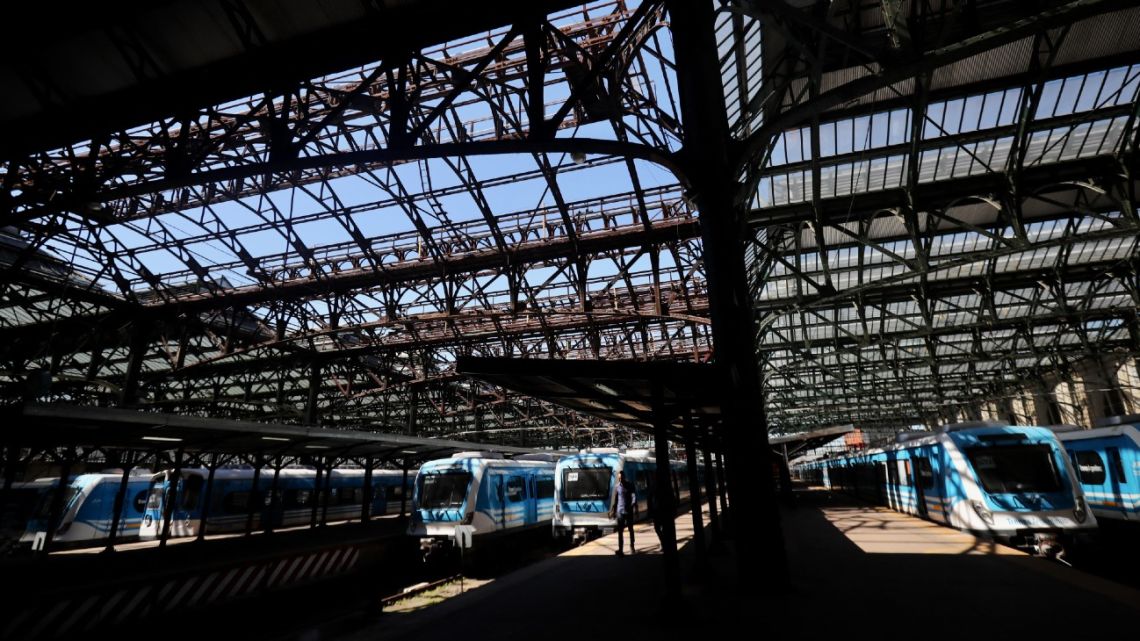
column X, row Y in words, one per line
column 624, row 511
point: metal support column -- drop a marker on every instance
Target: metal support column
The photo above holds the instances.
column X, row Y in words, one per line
column 695, row 493
column 785, row 478
column 139, row 344
column 55, row 514
column 11, row 460
column 254, row 502
column 314, row 394
column 316, row 495
column 726, row 529
column 326, row 495
column 722, row 204
column 404, row 489
column 665, row 509
column 366, row 506
column 120, row 498
column 710, row 488
column 171, row 498
column 207, row 496
column 274, row 498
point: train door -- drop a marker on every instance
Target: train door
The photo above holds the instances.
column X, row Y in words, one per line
column 1119, row 479
column 516, row 503
column 183, row 519
column 923, row 480
column 498, row 498
column 531, row 501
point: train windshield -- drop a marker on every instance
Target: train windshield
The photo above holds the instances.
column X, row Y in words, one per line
column 43, row 509
column 444, row 489
column 586, row 484
column 1016, row 468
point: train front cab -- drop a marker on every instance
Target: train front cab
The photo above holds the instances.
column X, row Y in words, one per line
column 87, row 511
column 1020, row 488
column 585, row 487
column 494, row 496
column 1009, row 483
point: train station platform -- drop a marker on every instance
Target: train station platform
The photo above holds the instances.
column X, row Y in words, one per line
column 857, row 570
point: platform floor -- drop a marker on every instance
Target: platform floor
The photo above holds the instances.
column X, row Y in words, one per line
column 857, row 570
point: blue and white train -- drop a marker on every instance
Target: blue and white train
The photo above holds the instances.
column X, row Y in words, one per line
column 290, row 505
column 87, row 509
column 494, row 495
column 1011, row 483
column 585, row 484
column 1107, row 462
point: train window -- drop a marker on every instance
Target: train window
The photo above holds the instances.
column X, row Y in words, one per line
column 1117, row 465
column 586, row 483
column 642, row 481
column 191, row 489
column 444, row 489
column 516, row 489
column 1015, row 468
column 544, row 488
column 925, row 472
column 396, row 491
column 236, row 503
column 154, row 500
column 297, row 498
column 1090, row 467
column 904, row 472
column 140, row 501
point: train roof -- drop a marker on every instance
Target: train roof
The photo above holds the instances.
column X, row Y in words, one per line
column 483, row 462
column 1125, row 419
column 631, row 453
column 227, row 474
column 1101, row 432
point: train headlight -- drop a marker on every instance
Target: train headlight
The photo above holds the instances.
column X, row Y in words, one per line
column 983, row 512
column 1081, row 512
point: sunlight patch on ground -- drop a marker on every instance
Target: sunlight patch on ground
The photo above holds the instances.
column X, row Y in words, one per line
column 881, row 531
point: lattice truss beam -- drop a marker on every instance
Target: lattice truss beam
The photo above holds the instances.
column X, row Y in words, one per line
column 942, row 197
column 323, row 253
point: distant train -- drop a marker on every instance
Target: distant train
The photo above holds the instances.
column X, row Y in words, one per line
column 584, row 485
column 1107, row 462
column 232, row 499
column 493, row 495
column 87, row 512
column 1012, row 483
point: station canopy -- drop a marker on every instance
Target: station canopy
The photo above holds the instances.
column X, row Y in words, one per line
column 305, row 214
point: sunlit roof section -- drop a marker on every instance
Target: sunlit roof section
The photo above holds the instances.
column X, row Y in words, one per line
column 954, row 235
